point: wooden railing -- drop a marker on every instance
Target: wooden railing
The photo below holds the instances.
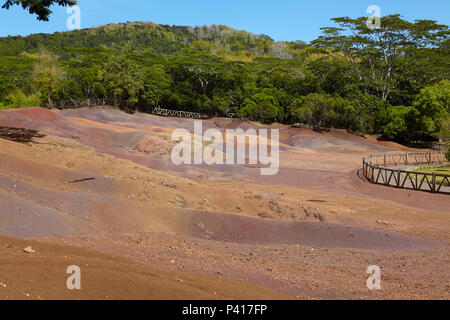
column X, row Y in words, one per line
column 66, row 104
column 378, row 169
column 232, row 115
column 126, row 105
column 176, row 113
column 72, row 104
column 438, row 146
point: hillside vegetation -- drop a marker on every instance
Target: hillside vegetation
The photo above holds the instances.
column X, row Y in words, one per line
column 392, row 80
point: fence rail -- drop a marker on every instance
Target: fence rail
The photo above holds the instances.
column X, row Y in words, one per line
column 378, row 169
column 66, row 104
column 231, row 114
column 176, row 113
column 124, row 104
column 438, row 146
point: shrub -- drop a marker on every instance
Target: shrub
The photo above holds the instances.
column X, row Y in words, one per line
column 399, row 121
column 322, row 111
column 432, row 103
column 261, row 107
column 17, row 99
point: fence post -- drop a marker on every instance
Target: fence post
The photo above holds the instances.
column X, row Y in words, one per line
column 429, row 157
column 434, row 183
column 384, row 160
column 373, row 173
column 364, row 167
column 406, row 158
column 398, row 178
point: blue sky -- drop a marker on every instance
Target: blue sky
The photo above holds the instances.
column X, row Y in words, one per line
column 280, row 19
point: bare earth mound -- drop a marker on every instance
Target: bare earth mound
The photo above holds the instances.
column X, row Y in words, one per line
column 102, row 179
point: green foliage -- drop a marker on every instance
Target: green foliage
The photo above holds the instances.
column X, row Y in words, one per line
column 261, row 107
column 40, row 8
column 18, row 99
column 380, row 58
column 15, row 72
column 389, row 81
column 444, row 133
column 134, row 37
column 123, row 78
column 156, row 85
column 322, row 111
column 47, row 75
column 432, row 104
column 399, row 120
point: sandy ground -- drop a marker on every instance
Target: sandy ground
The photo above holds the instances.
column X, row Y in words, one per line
column 309, row 232
column 42, row 274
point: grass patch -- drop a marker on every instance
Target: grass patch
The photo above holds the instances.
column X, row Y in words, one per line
column 442, row 169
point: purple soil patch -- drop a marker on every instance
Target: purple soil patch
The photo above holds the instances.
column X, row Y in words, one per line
column 233, row 228
column 27, row 219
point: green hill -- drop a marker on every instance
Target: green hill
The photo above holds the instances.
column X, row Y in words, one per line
column 159, row 39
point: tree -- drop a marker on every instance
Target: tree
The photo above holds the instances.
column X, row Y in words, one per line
column 378, row 56
column 156, row 85
column 334, row 76
column 322, row 111
column 47, row 74
column 399, row 122
column 204, row 68
column 261, row 107
column 432, row 105
column 17, row 99
column 38, row 7
column 16, row 72
column 86, row 76
column 444, row 134
column 123, row 78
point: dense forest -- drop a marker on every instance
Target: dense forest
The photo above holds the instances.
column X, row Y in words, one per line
column 393, row 81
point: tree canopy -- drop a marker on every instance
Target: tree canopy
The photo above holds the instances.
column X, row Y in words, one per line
column 392, row 81
column 38, row 7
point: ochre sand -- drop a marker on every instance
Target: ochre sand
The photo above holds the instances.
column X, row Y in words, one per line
column 196, row 229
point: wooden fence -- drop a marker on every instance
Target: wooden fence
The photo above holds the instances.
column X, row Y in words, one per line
column 438, row 146
column 378, row 169
column 66, row 104
column 73, row 104
column 126, row 105
column 176, row 113
column 231, row 114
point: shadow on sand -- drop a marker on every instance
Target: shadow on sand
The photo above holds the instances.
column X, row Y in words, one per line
column 19, row 134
